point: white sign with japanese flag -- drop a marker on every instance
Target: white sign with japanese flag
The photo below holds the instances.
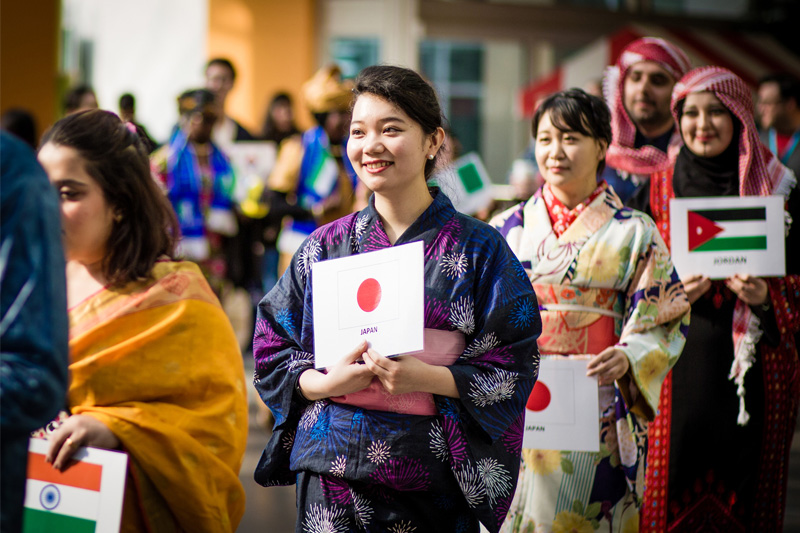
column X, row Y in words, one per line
column 377, row 296
column 562, row 412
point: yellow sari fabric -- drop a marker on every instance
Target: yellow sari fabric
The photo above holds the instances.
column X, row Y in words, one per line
column 158, row 363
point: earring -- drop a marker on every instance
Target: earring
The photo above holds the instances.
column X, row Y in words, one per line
column 431, row 156
column 117, row 217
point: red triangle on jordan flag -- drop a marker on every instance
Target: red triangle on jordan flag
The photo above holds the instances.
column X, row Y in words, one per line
column 701, row 230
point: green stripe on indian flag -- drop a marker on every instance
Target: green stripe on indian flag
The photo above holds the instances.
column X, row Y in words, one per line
column 41, row 521
column 61, row 501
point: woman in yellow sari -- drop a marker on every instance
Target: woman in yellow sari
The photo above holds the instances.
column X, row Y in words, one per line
column 155, row 367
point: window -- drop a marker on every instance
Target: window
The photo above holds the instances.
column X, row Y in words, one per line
column 352, row 55
column 456, row 70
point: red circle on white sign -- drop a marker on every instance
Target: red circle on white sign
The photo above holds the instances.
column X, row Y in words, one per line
column 369, row 295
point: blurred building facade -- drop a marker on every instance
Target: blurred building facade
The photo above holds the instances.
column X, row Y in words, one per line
column 480, row 54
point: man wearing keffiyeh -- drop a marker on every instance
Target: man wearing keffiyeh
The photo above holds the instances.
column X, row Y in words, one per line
column 638, row 89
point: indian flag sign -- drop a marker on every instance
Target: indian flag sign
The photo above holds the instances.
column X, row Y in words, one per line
column 375, row 296
column 723, row 236
column 84, row 498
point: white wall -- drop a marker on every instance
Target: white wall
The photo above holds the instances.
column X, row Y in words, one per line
column 505, row 137
column 153, row 49
column 395, row 23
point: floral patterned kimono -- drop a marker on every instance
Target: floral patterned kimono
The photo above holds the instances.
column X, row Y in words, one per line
column 603, row 277
column 360, row 466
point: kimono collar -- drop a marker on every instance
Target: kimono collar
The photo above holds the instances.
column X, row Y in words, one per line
column 562, row 217
column 425, row 227
column 554, row 254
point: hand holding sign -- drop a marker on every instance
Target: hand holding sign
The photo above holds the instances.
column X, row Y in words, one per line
column 77, row 431
column 609, row 365
column 344, row 377
column 406, row 374
column 696, row 285
column 749, row 289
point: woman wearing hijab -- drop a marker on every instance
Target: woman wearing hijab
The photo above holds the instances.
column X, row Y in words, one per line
column 713, row 456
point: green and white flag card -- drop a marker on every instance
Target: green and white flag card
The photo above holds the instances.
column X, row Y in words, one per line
column 84, row 498
column 467, row 184
column 723, row 236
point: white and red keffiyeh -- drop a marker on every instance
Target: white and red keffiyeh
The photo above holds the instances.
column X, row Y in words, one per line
column 760, row 174
column 621, row 153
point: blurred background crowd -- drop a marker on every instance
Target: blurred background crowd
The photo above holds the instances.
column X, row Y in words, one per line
column 244, row 103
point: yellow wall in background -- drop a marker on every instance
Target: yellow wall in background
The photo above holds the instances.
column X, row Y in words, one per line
column 271, row 43
column 29, row 59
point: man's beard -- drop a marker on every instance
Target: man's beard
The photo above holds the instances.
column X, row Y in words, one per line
column 652, row 120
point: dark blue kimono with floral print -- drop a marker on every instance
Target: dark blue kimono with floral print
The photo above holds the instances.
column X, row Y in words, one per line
column 474, row 284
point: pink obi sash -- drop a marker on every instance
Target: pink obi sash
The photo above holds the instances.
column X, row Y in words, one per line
column 576, row 320
column 442, row 348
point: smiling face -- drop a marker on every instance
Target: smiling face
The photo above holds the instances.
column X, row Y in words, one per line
column 568, row 160
column 706, row 124
column 647, row 93
column 86, row 216
column 387, row 148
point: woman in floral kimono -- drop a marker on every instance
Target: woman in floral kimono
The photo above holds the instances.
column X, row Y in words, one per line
column 724, row 460
column 414, row 443
column 608, row 292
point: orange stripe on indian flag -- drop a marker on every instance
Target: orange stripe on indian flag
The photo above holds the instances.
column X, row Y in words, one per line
column 81, row 475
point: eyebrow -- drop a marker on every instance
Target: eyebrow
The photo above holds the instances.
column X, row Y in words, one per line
column 70, row 182
column 381, row 121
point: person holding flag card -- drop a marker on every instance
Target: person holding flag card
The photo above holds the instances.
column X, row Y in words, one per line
column 155, row 368
column 608, row 291
column 449, row 459
column 742, row 336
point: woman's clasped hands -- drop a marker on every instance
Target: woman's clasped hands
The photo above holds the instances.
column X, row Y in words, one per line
column 398, row 375
column 750, row 289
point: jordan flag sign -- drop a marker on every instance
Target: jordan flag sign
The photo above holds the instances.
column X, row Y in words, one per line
column 562, row 412
column 377, row 296
column 723, row 236
column 84, row 498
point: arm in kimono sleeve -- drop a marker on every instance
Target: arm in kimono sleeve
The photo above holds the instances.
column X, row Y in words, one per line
column 657, row 320
column 279, row 350
column 500, row 364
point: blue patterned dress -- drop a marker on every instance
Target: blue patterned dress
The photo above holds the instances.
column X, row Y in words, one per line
column 367, row 470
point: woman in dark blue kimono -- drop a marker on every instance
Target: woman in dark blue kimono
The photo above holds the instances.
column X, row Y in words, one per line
column 402, row 444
